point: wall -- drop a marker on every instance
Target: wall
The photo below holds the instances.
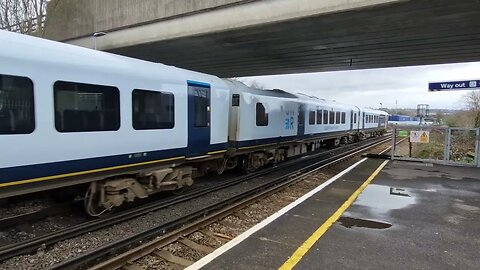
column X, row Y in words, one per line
column 67, row 19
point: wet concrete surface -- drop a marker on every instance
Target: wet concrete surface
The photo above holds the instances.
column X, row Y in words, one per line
column 412, row 216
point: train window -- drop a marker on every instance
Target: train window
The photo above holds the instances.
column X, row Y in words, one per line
column 331, row 116
column 81, row 107
column 201, row 106
column 337, row 118
column 262, row 115
column 325, row 117
column 152, row 110
column 319, row 117
column 17, row 114
column 343, row 117
column 311, row 118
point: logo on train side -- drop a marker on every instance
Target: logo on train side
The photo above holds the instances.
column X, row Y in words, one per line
column 289, row 119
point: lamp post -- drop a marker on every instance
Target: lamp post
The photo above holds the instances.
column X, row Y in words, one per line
column 381, row 105
column 95, row 36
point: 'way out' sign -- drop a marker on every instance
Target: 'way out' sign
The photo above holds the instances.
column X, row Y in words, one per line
column 420, row 136
column 450, row 86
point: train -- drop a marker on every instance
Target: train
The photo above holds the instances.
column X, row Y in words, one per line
column 119, row 128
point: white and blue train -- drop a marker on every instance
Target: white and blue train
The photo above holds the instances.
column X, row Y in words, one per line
column 122, row 128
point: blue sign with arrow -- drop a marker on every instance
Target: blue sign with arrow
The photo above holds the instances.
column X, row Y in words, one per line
column 451, row 86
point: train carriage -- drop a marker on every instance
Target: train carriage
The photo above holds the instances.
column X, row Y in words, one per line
column 70, row 115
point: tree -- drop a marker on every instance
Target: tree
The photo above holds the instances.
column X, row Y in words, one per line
column 472, row 99
column 23, row 16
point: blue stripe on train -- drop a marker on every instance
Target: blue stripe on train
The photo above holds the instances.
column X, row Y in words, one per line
column 259, row 142
column 64, row 167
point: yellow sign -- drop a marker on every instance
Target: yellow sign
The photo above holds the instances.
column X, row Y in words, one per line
column 420, row 136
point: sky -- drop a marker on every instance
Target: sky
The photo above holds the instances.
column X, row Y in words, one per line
column 406, row 85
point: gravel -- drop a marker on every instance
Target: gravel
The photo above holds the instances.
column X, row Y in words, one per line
column 185, row 252
column 152, row 262
column 23, row 232
column 23, row 207
column 202, row 239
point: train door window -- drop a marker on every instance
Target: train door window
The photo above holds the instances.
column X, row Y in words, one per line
column 325, row 117
column 201, row 107
column 17, row 114
column 337, row 118
column 262, row 115
column 81, row 107
column 152, row 110
column 331, row 116
column 343, row 117
column 319, row 117
column 311, row 117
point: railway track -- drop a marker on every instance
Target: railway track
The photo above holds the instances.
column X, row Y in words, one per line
column 169, row 233
column 31, row 216
column 32, row 245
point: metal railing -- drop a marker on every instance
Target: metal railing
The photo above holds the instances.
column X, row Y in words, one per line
column 444, row 145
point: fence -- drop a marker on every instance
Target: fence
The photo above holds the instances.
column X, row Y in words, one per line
column 444, row 145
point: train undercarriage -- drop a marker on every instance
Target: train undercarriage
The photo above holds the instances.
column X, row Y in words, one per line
column 105, row 195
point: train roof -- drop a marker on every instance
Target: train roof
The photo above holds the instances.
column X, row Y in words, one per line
column 61, row 55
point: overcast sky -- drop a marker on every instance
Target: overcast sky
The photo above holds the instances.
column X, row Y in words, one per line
column 407, row 85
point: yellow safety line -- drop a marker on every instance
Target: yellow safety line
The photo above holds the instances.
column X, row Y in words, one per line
column 305, row 247
column 86, row 172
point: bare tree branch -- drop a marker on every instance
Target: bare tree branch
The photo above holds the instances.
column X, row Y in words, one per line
column 23, row 16
column 472, row 99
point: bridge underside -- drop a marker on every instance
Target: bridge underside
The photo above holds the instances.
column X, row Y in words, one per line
column 418, row 32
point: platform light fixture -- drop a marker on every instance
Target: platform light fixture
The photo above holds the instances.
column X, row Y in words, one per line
column 95, row 36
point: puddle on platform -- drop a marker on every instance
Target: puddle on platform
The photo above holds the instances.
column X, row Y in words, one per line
column 350, row 222
column 384, row 199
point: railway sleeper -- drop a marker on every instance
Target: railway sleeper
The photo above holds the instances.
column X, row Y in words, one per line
column 104, row 195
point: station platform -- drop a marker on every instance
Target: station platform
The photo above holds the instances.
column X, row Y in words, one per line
column 408, row 216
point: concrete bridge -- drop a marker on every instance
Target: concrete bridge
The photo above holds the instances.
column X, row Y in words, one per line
column 232, row 38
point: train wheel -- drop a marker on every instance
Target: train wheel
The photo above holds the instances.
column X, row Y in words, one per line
column 247, row 165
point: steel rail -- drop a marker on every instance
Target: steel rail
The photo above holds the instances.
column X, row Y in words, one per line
column 216, row 209
column 28, row 217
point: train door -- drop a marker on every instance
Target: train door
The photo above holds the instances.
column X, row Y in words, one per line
column 363, row 120
column 198, row 119
column 351, row 119
column 301, row 120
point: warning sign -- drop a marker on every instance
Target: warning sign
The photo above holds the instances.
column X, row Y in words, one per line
column 420, row 136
